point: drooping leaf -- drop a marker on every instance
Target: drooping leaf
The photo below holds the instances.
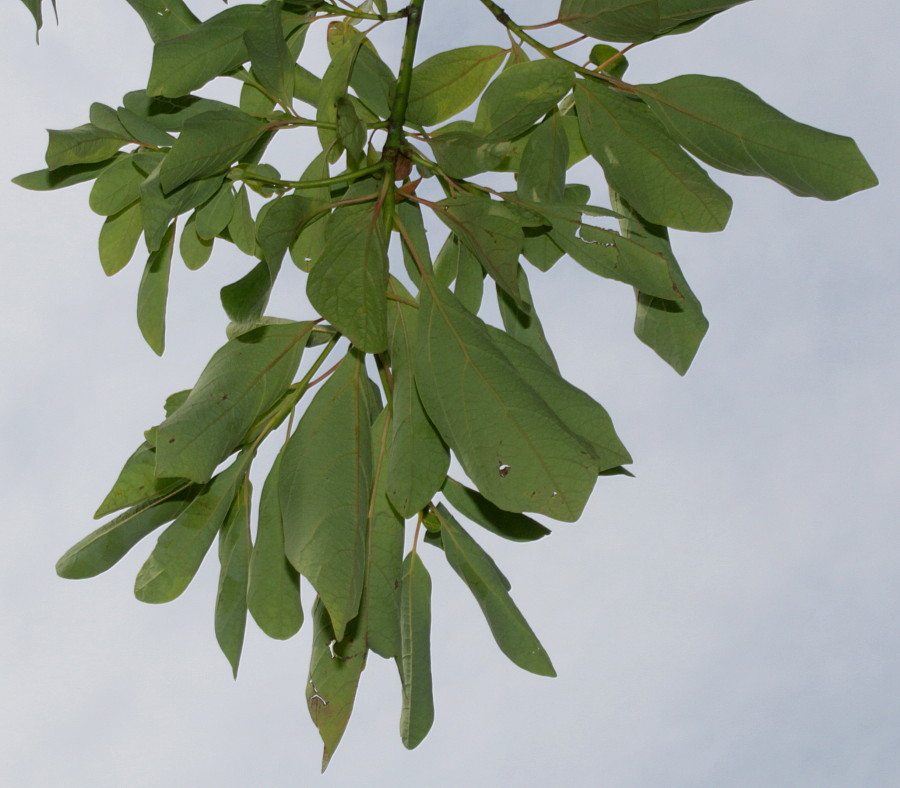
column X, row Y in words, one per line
column 208, row 145
column 215, row 214
column 522, row 322
column 240, row 382
column 119, row 238
column 419, row 459
column 181, row 547
column 448, row 82
column 195, row 251
column 733, row 129
column 371, row 78
column 273, row 595
column 36, row 9
column 309, row 245
column 116, row 187
column 153, row 294
column 521, row 95
column 461, row 153
column 270, row 58
column 674, row 329
column 542, row 173
column 417, row 715
column 281, row 225
column 348, row 284
column 215, row 47
column 234, row 559
column 107, row 545
column 490, row 589
column 59, row 178
column 245, row 301
column 325, row 485
column 643, row 163
column 510, row 443
column 334, row 670
column 241, row 228
column 473, row 505
column 637, row 20
column 158, row 209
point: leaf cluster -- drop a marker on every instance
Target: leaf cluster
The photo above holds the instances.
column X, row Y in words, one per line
column 423, row 375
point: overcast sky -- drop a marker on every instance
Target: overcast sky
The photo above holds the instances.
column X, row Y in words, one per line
column 731, row 617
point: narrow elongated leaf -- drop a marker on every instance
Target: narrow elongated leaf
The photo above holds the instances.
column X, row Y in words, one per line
column 153, row 294
column 644, row 164
column 187, row 62
column 48, row 180
column 234, row 559
column 181, row 547
column 168, row 113
column 165, row 18
column 241, row 381
column 637, row 20
column 333, row 86
column 448, row 82
column 542, row 173
column 36, row 9
column 273, row 595
column 730, row 127
column 241, row 227
column 208, row 145
column 371, row 78
column 419, row 459
column 325, row 487
column 417, row 716
column 473, row 505
column 581, row 414
column 523, row 324
column 334, row 671
column 348, row 284
column 137, row 482
column 489, row 587
column 674, row 329
column 380, row 605
column 107, row 545
column 510, row 443
column 521, row 95
column 143, row 130
column 119, row 237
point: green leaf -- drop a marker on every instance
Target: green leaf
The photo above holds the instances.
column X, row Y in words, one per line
column 215, row 214
column 119, row 237
column 334, row 672
column 461, row 153
column 351, row 132
column 241, row 227
column 245, row 301
column 602, row 53
column 542, row 174
column 153, row 294
column 234, row 559
column 137, row 482
column 417, row 716
column 448, row 82
column 270, row 59
column 195, row 251
column 85, row 144
column 181, row 547
column 348, row 284
column 673, row 329
column 489, row 587
column 143, row 130
column 473, row 505
column 48, row 180
column 578, row 411
column 521, row 95
column 637, row 20
column 158, row 209
column 281, row 225
column 380, row 605
column 508, row 440
column 494, row 240
column 371, row 78
column 107, row 545
column 643, row 163
column 164, row 18
column 215, row 47
column 105, row 118
column 169, row 113
column 241, row 381
column 325, row 486
column 419, row 459
column 308, row 246
column 274, row 587
column 209, row 144
column 333, row 86
column 34, row 6
column 733, row 129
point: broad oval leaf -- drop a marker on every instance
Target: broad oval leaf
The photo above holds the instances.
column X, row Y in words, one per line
column 726, row 125
column 448, row 82
column 643, row 163
column 119, row 237
column 241, row 381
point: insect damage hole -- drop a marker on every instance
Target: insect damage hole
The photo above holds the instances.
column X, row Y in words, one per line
column 503, row 469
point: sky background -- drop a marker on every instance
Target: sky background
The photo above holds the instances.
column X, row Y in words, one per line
column 731, row 617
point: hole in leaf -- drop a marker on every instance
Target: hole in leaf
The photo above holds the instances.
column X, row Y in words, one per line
column 503, row 469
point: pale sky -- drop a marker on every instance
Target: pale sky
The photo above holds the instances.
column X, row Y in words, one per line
column 731, row 617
